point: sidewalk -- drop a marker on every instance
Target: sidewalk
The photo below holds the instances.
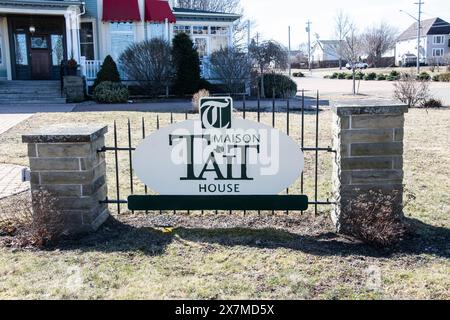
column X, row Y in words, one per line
column 8, row 121
column 186, row 106
column 12, row 115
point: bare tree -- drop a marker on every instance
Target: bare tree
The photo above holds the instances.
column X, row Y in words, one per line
column 378, row 40
column 149, row 63
column 352, row 48
column 232, row 66
column 268, row 55
column 342, row 26
column 408, row 89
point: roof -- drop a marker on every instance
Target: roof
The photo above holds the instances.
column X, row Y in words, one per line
column 39, row 3
column 329, row 42
column 205, row 15
column 328, row 46
column 433, row 26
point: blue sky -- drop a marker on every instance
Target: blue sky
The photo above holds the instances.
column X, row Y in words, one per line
column 272, row 17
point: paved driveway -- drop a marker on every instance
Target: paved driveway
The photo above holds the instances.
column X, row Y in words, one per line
column 334, row 89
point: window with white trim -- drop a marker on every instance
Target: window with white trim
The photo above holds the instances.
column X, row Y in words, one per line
column 438, row 52
column 57, row 48
column 181, row 29
column 87, row 40
column 201, row 30
column 438, row 39
column 201, row 45
column 156, row 30
column 220, row 30
column 219, row 38
column 122, row 36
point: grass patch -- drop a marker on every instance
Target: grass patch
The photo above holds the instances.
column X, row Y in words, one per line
column 239, row 257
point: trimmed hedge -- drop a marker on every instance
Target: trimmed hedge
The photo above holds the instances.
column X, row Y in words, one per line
column 445, row 77
column 283, row 85
column 108, row 72
column 111, row 92
column 370, row 76
column 424, row 76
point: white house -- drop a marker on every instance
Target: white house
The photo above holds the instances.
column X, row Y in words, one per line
column 325, row 50
column 35, row 35
column 434, row 43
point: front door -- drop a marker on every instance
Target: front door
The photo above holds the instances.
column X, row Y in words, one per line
column 40, row 57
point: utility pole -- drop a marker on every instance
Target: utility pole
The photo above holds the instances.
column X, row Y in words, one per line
column 308, row 29
column 289, row 55
column 419, row 29
column 249, row 34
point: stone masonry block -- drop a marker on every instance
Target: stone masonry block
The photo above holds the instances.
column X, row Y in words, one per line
column 365, row 163
column 64, row 150
column 54, row 164
column 376, row 177
column 377, row 121
column 371, row 135
column 377, row 149
column 32, row 150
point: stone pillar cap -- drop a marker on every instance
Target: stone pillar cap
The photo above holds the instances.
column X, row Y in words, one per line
column 379, row 106
column 66, row 133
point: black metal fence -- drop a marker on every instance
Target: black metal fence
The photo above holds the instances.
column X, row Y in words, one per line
column 315, row 149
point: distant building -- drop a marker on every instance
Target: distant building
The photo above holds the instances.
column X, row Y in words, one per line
column 325, row 54
column 434, row 47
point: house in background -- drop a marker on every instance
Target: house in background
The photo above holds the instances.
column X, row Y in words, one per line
column 324, row 54
column 36, row 35
column 434, row 47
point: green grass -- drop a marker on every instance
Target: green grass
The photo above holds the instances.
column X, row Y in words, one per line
column 234, row 257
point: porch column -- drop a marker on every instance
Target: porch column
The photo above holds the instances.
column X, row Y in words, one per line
column 72, row 31
column 140, row 32
column 68, row 34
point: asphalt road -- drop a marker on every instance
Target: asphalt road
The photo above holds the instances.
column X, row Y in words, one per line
column 341, row 89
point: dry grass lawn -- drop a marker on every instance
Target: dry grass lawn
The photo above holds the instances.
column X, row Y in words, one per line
column 258, row 257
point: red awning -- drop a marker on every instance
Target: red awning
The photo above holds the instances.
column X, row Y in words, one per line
column 158, row 11
column 121, row 10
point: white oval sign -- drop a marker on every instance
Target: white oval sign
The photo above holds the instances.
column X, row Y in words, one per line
column 247, row 159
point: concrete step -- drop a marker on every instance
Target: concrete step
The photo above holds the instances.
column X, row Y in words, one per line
column 21, row 95
column 30, row 92
column 32, row 101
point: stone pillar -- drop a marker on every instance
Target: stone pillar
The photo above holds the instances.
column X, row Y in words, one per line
column 64, row 162
column 368, row 138
column 74, row 89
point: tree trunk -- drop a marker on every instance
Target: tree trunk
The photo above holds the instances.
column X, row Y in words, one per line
column 263, row 93
column 354, row 81
column 340, row 63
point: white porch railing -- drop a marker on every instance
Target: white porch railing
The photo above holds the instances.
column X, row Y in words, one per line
column 90, row 68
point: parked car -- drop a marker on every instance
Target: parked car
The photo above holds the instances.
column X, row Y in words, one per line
column 356, row 65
